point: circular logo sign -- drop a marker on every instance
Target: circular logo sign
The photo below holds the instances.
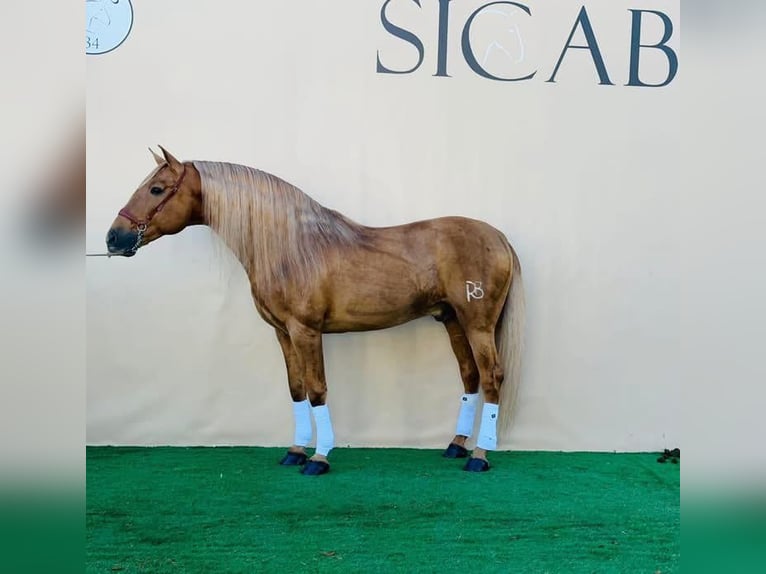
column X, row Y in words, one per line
column 107, row 24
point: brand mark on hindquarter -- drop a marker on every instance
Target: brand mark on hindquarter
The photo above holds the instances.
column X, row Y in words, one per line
column 473, row 290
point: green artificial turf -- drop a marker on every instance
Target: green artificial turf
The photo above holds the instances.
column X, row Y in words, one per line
column 379, row 510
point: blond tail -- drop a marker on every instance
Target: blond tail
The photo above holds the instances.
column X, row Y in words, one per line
column 510, row 339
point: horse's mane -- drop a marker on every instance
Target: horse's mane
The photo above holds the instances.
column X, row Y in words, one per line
column 277, row 232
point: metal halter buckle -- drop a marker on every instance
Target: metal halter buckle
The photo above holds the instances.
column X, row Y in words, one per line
column 141, row 227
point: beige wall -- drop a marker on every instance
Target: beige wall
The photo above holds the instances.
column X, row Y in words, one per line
column 582, row 178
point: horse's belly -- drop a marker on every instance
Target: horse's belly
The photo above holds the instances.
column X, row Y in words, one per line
column 344, row 323
column 376, row 305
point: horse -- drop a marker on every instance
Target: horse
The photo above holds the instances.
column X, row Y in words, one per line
column 94, row 10
column 313, row 270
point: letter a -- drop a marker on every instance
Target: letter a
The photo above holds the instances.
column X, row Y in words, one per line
column 590, row 38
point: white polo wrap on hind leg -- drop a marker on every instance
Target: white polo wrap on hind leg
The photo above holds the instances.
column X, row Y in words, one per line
column 466, row 415
column 302, row 414
column 488, row 429
column 325, row 436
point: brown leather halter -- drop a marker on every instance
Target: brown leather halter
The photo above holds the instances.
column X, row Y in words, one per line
column 142, row 224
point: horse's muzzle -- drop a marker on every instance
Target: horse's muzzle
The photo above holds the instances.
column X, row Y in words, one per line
column 122, row 242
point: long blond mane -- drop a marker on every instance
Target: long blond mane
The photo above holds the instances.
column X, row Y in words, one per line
column 278, row 233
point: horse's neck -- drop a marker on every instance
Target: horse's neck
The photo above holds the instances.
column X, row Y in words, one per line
column 281, row 235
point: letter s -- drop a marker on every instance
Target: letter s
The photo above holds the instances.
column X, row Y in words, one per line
column 405, row 35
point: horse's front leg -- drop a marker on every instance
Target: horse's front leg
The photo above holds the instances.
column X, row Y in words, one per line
column 296, row 454
column 307, row 344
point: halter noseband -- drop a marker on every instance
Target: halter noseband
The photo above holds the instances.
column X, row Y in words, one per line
column 142, row 224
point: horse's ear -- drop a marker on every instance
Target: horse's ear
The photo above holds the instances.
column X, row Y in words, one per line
column 174, row 164
column 159, row 159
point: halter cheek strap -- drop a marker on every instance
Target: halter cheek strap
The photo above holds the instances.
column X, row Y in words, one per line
column 142, row 224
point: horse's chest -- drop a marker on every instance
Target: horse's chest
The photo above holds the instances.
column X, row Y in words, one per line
column 267, row 312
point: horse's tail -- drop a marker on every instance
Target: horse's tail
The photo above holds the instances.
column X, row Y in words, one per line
column 510, row 338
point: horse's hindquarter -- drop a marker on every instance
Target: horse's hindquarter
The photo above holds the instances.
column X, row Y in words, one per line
column 475, row 265
column 404, row 272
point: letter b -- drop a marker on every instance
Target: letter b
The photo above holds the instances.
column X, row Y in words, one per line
column 636, row 45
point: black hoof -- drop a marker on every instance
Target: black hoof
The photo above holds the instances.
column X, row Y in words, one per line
column 293, row 459
column 671, row 455
column 315, row 468
column 455, row 451
column 476, row 465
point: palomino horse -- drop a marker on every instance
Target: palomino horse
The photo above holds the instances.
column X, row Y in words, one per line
column 314, row 271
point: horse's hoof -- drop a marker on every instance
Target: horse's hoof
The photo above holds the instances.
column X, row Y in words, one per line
column 476, row 465
column 315, row 468
column 455, row 451
column 293, row 459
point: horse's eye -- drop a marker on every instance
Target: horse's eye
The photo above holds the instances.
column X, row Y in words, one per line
column 156, row 190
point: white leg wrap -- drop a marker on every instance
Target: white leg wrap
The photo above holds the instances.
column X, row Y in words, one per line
column 488, row 429
column 466, row 415
column 302, row 414
column 325, row 436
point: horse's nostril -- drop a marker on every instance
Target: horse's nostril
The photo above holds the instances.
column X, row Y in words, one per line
column 111, row 237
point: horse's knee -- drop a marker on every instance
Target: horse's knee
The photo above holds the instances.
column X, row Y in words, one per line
column 317, row 395
column 298, row 393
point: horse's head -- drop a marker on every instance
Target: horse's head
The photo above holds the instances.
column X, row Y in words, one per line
column 166, row 202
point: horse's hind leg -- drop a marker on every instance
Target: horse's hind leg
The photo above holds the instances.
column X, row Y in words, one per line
column 469, row 373
column 491, row 377
column 296, row 454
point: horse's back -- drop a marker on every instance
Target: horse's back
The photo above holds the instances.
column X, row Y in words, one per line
column 465, row 229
